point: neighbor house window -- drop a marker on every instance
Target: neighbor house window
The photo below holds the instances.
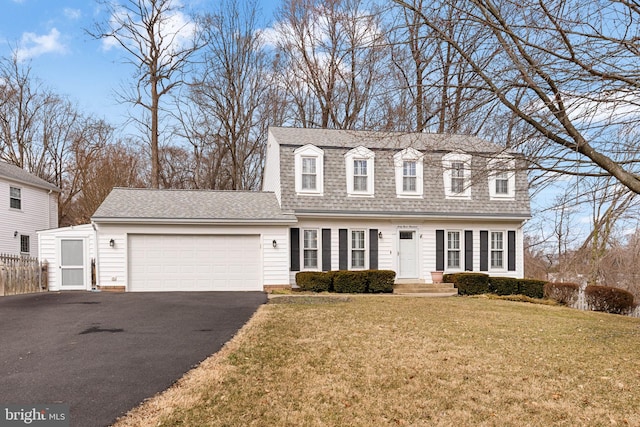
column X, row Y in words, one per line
column 357, row 249
column 457, row 175
column 497, row 249
column 360, row 175
column 25, row 247
column 309, row 173
column 502, row 177
column 310, row 249
column 309, row 161
column 453, row 249
column 15, row 198
column 359, row 165
column 409, row 172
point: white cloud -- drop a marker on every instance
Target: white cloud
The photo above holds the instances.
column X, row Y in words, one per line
column 177, row 28
column 73, row 14
column 32, row 45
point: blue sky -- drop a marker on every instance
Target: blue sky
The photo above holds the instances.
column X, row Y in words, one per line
column 51, row 37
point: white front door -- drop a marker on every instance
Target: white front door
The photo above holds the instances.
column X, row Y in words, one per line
column 72, row 264
column 407, row 254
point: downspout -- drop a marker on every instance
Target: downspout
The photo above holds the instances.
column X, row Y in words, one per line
column 95, row 288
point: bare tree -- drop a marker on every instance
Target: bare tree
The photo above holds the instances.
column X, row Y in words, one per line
column 227, row 123
column 566, row 69
column 159, row 41
column 331, row 60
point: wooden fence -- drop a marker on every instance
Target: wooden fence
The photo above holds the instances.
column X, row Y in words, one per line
column 22, row 275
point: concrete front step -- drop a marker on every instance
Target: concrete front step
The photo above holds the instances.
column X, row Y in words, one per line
column 446, row 289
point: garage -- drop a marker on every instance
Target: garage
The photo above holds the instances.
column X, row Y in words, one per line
column 194, row 263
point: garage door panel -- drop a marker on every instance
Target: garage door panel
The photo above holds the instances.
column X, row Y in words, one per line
column 198, row 263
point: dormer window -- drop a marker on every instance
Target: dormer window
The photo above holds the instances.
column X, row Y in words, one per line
column 309, row 162
column 502, row 178
column 409, row 172
column 309, row 174
column 359, row 164
column 457, row 175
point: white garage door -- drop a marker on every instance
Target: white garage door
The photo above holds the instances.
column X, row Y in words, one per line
column 194, row 263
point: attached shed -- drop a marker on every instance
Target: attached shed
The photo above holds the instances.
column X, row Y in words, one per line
column 188, row 240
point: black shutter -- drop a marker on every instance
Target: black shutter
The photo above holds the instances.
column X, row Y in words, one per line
column 373, row 249
column 511, row 248
column 295, row 249
column 484, row 250
column 343, row 249
column 439, row 250
column 326, row 249
column 468, row 250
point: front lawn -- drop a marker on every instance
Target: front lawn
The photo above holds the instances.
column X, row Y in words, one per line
column 386, row 360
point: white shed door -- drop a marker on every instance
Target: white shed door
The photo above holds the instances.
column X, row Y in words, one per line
column 194, row 263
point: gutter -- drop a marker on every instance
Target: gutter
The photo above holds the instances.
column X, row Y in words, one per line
column 410, row 215
column 193, row 221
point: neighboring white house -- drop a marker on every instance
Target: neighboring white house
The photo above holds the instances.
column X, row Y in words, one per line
column 331, row 200
column 28, row 204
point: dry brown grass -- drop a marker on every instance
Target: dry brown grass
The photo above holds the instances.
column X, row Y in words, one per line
column 380, row 360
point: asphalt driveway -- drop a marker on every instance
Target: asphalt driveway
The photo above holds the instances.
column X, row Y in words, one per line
column 103, row 353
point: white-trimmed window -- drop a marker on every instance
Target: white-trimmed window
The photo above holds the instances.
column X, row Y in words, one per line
column 453, row 249
column 25, row 244
column 457, row 175
column 309, row 161
column 310, row 249
column 409, row 172
column 502, row 178
column 497, row 249
column 358, row 251
column 359, row 164
column 15, row 198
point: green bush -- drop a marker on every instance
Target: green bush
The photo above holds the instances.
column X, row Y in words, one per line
column 564, row 293
column 470, row 283
column 380, row 280
column 609, row 299
column 503, row 285
column 531, row 287
column 450, row 278
column 351, row 282
column 314, row 281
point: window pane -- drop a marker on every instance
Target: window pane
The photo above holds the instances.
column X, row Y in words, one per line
column 457, row 177
column 72, row 252
column 308, row 182
column 496, row 259
column 502, row 184
column 15, row 201
column 308, row 165
column 360, row 183
column 409, row 183
column 14, row 192
column 360, row 167
column 310, row 239
column 453, row 239
column 310, row 258
column 357, row 239
column 25, row 247
column 453, row 259
column 409, row 168
column 357, row 259
column 496, row 240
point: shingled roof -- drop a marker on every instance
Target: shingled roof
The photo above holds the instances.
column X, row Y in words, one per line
column 385, row 203
column 19, row 175
column 202, row 206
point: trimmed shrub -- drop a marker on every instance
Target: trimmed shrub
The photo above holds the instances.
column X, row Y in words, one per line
column 380, row 280
column 609, row 299
column 471, row 283
column 450, row 277
column 503, row 285
column 565, row 293
column 314, row 281
column 350, row 282
column 531, row 287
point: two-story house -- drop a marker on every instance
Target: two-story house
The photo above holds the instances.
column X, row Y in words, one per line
column 412, row 203
column 331, row 200
column 28, row 204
